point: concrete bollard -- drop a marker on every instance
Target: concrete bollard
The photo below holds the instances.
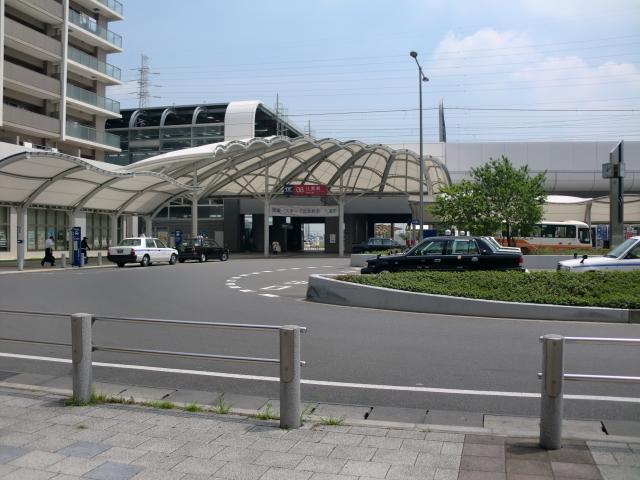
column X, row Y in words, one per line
column 551, row 405
column 99, row 259
column 81, row 350
column 63, row 260
column 290, row 376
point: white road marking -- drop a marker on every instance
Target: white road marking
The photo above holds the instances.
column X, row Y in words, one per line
column 244, row 275
column 453, row 391
column 267, row 271
column 255, row 273
column 230, row 284
column 276, row 287
column 296, row 268
column 281, row 270
column 235, row 278
column 311, row 267
column 270, row 295
column 296, row 282
column 247, row 290
column 234, row 286
column 327, row 266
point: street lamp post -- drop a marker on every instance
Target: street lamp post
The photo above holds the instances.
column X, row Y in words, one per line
column 421, row 78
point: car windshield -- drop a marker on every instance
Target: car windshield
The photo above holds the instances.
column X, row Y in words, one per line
column 130, row 242
column 190, row 242
column 620, row 249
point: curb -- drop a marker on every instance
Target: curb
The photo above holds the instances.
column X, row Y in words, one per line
column 250, row 414
column 326, row 289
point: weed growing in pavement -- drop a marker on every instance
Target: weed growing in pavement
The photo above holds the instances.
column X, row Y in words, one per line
column 96, row 399
column 160, row 404
column 267, row 413
column 193, row 407
column 221, row 406
column 332, row 421
column 81, row 427
column 306, row 411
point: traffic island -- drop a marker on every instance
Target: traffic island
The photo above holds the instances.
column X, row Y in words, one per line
column 327, row 289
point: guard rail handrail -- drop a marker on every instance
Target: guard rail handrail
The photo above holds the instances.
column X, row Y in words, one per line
column 553, row 377
column 83, row 347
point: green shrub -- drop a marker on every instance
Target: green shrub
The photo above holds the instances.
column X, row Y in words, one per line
column 597, row 289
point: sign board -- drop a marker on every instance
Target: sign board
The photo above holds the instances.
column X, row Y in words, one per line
column 178, row 237
column 305, row 190
column 76, row 239
column 415, row 221
column 302, row 211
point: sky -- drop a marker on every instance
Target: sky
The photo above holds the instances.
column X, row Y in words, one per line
column 518, row 70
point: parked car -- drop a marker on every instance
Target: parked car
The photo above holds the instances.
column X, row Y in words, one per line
column 201, row 249
column 375, row 244
column 625, row 256
column 448, row 253
column 499, row 246
column 142, row 250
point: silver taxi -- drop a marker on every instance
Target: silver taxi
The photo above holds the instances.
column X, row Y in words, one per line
column 142, row 250
column 625, row 256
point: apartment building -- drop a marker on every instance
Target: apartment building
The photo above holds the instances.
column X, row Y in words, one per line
column 54, row 73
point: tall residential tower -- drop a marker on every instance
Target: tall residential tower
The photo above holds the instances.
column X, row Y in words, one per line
column 54, row 73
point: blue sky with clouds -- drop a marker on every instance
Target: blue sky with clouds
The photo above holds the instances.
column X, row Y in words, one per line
column 328, row 60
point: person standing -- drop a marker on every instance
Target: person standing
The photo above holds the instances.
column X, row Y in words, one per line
column 48, row 252
column 84, row 246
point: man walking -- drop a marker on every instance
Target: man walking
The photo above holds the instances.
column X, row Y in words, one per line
column 48, row 252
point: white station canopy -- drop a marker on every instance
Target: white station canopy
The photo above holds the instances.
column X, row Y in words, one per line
column 262, row 166
column 33, row 177
column 589, row 210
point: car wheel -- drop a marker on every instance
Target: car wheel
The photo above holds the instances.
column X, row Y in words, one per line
column 181, row 260
column 146, row 261
column 172, row 260
column 203, row 258
column 224, row 257
column 120, row 265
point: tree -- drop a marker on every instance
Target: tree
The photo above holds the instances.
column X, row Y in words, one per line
column 498, row 197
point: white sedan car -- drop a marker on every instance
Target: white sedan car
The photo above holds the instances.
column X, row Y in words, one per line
column 624, row 257
column 142, row 250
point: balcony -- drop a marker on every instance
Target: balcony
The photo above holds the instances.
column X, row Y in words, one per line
column 32, row 83
column 30, row 41
column 26, row 120
column 87, row 135
column 111, row 9
column 86, row 65
column 93, row 102
column 46, row 11
column 90, row 32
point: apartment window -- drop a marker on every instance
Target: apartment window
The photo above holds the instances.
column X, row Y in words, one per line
column 42, row 224
column 4, row 229
column 97, row 233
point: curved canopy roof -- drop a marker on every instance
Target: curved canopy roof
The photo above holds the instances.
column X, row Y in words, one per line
column 36, row 177
column 589, row 210
column 262, row 166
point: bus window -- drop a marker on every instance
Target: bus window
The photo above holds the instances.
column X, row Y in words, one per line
column 584, row 235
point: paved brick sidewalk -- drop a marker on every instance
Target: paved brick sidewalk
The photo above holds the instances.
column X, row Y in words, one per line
column 40, row 438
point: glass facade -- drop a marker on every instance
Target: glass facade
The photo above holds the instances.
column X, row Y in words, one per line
column 152, row 131
column 4, row 229
column 42, row 224
column 97, row 231
column 212, row 209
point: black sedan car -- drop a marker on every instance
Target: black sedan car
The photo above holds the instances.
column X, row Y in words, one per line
column 448, row 253
column 201, row 249
column 375, row 244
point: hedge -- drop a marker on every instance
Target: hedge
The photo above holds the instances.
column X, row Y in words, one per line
column 596, row 289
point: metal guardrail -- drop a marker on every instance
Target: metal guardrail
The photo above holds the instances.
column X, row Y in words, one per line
column 553, row 377
column 82, row 347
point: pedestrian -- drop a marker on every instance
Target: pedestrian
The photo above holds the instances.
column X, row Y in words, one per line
column 84, row 246
column 275, row 247
column 48, row 252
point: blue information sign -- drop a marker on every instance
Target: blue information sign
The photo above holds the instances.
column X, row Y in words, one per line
column 415, row 221
column 178, row 235
column 76, row 238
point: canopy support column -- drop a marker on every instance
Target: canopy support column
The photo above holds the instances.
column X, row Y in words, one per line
column 267, row 210
column 113, row 229
column 134, row 226
column 341, row 225
column 148, row 226
column 194, row 215
column 20, row 230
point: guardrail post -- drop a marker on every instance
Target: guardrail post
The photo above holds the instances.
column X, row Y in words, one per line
column 63, row 260
column 290, row 376
column 81, row 350
column 99, row 259
column 552, row 390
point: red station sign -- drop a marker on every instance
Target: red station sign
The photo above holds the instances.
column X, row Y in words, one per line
column 306, row 190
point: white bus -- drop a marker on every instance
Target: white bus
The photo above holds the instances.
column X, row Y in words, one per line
column 560, row 236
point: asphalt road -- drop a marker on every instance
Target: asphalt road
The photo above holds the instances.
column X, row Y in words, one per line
column 342, row 344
